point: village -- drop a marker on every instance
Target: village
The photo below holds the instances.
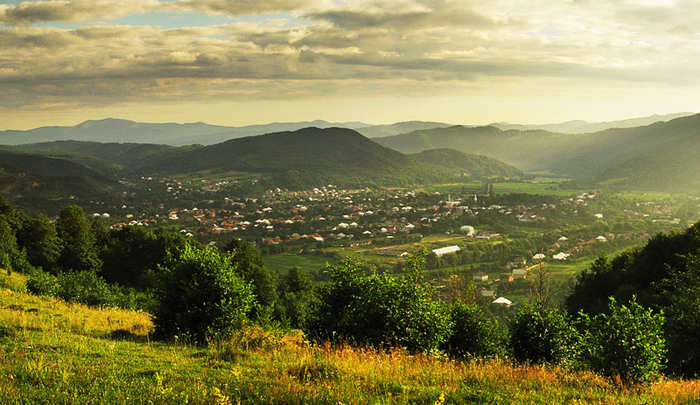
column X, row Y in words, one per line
column 494, row 239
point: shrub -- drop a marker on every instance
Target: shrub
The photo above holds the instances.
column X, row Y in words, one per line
column 200, row 295
column 540, row 335
column 84, row 287
column 473, row 334
column 380, row 310
column 628, row 343
column 42, row 283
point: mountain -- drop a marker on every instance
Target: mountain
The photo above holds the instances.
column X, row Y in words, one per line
column 305, row 158
column 661, row 156
column 582, row 127
column 124, row 131
column 375, row 131
column 473, row 166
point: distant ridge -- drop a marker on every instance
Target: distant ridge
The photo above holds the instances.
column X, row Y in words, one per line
column 125, row 131
column 582, row 127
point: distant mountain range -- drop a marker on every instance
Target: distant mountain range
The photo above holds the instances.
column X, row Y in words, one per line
column 124, row 131
column 661, row 156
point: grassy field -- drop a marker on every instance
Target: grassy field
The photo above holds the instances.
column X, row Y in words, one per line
column 57, row 353
column 281, row 263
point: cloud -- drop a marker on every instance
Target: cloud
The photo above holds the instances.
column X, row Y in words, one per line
column 377, row 47
column 32, row 12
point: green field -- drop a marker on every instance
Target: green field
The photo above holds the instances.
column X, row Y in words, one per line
column 281, row 263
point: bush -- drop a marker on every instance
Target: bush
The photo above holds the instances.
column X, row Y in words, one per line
column 628, row 343
column 84, row 287
column 473, row 334
column 200, row 295
column 543, row 336
column 380, row 310
column 42, row 283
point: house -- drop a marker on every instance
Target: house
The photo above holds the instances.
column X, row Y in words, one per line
column 446, row 250
column 486, row 293
column 601, row 238
column 520, row 261
column 560, row 256
column 519, row 273
column 480, row 276
column 538, row 256
column 502, row 301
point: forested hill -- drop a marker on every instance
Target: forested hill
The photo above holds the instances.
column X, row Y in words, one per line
column 661, row 156
column 306, row 158
column 473, row 166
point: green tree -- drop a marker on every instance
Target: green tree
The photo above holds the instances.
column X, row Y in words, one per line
column 249, row 264
column 200, row 294
column 473, row 335
column 543, row 336
column 628, row 343
column 78, row 250
column 40, row 241
column 380, row 310
column 297, row 298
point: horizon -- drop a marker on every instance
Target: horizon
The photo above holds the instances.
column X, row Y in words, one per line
column 237, row 64
column 687, row 113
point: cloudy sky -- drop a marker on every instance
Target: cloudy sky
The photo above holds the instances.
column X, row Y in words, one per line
column 241, row 62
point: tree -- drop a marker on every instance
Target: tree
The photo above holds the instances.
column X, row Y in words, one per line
column 200, row 295
column 543, row 336
column 40, row 241
column 380, row 310
column 629, row 343
column 249, row 264
column 297, row 298
column 473, row 334
column 78, row 242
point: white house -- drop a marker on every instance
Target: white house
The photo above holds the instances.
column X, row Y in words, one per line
column 446, row 250
column 502, row 301
column 560, row 256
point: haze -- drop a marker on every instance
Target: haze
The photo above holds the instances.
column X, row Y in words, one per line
column 252, row 62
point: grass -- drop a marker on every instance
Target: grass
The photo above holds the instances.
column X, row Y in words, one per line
column 282, row 262
column 57, row 353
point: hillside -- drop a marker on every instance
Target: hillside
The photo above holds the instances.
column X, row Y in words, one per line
column 54, row 352
column 582, row 127
column 375, row 131
column 36, row 182
column 122, row 156
column 306, row 158
column 473, row 166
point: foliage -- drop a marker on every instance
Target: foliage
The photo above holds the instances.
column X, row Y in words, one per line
column 249, row 264
column 473, row 334
column 78, row 249
column 297, row 298
column 200, row 295
column 40, row 241
column 84, row 287
column 628, row 343
column 380, row 310
column 541, row 335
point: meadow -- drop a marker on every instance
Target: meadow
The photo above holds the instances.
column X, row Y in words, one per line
column 57, row 353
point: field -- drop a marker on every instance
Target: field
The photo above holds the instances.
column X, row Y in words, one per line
column 281, row 263
column 58, row 353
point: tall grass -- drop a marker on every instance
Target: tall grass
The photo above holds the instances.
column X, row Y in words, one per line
column 57, row 353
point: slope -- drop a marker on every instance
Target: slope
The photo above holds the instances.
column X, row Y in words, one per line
column 473, row 166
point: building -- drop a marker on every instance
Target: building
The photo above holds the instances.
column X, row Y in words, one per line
column 446, row 250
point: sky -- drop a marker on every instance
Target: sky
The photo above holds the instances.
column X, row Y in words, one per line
column 244, row 62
